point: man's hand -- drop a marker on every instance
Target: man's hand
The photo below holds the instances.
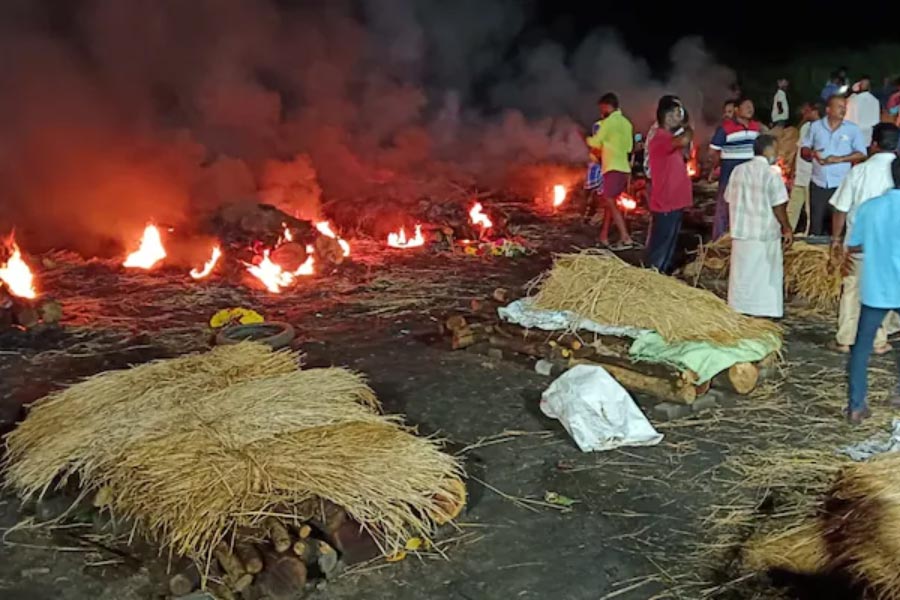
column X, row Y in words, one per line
column 836, row 252
column 831, row 160
column 847, row 264
column 787, row 237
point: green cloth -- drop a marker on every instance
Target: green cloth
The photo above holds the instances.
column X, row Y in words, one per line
column 615, row 139
column 705, row 359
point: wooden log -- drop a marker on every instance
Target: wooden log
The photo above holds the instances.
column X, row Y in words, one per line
column 468, row 336
column 229, row 562
column 305, row 550
column 326, row 559
column 50, row 311
column 250, row 557
column 455, row 323
column 278, row 533
column 24, row 314
column 304, row 531
column 531, row 348
column 185, row 581
column 239, row 584
column 220, row 591
column 740, row 378
column 501, row 295
column 283, row 578
column 664, row 388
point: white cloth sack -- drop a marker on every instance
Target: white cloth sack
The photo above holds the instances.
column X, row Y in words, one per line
column 596, row 411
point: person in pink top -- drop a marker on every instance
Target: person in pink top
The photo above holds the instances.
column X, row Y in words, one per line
column 671, row 191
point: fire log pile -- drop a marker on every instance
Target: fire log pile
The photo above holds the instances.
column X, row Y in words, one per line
column 19, row 303
column 480, row 329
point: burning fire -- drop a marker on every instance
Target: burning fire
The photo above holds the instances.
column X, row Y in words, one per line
column 626, row 202
column 274, row 277
column 559, row 195
column 693, row 168
column 324, row 228
column 399, row 240
column 150, row 251
column 16, row 274
column 479, row 218
column 209, row 266
column 778, row 167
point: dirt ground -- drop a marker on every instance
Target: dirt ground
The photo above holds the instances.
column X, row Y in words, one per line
column 641, row 524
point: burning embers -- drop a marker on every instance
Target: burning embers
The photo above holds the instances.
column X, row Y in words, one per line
column 150, row 251
column 476, row 214
column 209, row 266
column 559, row 195
column 15, row 273
column 399, row 240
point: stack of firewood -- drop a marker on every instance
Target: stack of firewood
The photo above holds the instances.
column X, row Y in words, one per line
column 277, row 561
column 480, row 329
column 25, row 313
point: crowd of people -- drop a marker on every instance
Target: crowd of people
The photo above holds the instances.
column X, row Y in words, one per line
column 846, row 182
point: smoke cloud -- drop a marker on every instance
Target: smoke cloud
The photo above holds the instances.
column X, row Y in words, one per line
column 116, row 112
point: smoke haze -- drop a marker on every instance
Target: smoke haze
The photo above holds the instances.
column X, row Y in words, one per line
column 116, row 112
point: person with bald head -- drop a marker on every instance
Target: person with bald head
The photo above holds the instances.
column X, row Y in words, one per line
column 833, row 145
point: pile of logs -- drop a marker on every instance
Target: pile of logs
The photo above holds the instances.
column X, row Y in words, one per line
column 27, row 314
column 277, row 560
column 481, row 330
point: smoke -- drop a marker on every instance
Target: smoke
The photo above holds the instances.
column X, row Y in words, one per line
column 116, row 112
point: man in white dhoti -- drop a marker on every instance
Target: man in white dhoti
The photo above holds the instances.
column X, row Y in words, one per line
column 757, row 204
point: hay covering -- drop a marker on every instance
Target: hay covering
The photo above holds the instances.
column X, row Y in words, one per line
column 603, row 288
column 197, row 449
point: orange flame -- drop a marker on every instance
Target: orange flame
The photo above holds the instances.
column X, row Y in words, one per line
column 479, row 218
column 274, row 277
column 17, row 275
column 559, row 195
column 400, row 241
column 324, row 228
column 209, row 266
column 778, row 167
column 626, row 202
column 150, row 251
column 693, row 168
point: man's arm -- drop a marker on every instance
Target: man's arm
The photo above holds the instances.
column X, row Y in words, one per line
column 684, row 138
column 715, row 149
column 787, row 233
column 806, row 150
column 858, row 154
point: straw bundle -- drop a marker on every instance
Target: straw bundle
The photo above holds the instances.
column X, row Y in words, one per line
column 862, row 523
column 202, row 458
column 810, row 274
column 85, row 426
column 603, row 288
column 801, row 550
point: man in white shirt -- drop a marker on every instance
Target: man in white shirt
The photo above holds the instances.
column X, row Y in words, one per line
column 864, row 109
column 802, row 170
column 780, row 110
column 865, row 181
column 757, row 202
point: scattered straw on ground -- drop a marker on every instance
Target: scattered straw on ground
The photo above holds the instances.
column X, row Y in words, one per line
column 194, row 450
column 603, row 288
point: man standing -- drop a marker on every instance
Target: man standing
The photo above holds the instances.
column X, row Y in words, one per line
column 864, row 109
column 671, row 191
column 757, row 200
column 874, row 234
column 833, row 145
column 864, row 182
column 732, row 144
column 613, row 141
column 780, row 109
column 802, row 171
column 833, row 87
column 728, row 110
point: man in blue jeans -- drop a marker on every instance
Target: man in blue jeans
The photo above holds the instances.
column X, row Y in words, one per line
column 875, row 236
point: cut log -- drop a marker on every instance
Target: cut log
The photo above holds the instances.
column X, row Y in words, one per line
column 229, row 562
column 740, row 378
column 239, row 584
column 467, row 336
column 278, row 533
column 501, row 295
column 353, row 543
column 455, row 323
column 283, row 578
column 531, row 348
column 305, row 550
column 249, row 557
column 220, row 591
column 304, row 531
column 185, row 582
column 672, row 389
column 327, row 559
column 50, row 312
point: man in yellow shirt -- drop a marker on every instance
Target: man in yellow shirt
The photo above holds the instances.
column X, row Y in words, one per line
column 612, row 143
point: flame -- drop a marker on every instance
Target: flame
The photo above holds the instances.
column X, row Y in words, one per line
column 399, row 240
column 778, row 167
column 274, row 277
column 693, row 166
column 559, row 195
column 324, row 228
column 150, row 252
column 479, row 218
column 626, row 202
column 288, row 236
column 209, row 266
column 17, row 275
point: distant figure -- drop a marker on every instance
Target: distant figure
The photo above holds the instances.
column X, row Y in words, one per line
column 864, row 182
column 833, row 145
column 833, row 87
column 728, row 110
column 757, row 200
column 613, row 142
column 671, row 191
column 893, row 103
column 780, row 109
column 802, row 170
column 863, row 108
column 732, row 144
column 593, row 181
column 874, row 235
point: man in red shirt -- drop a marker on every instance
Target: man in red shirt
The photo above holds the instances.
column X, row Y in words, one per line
column 671, row 191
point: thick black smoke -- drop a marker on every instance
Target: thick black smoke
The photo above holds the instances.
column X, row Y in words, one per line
column 116, row 112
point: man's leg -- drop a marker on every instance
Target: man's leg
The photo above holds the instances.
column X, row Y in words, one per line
column 617, row 219
column 614, row 184
column 799, row 198
column 673, row 229
column 720, row 222
column 869, row 321
column 848, row 313
column 817, row 208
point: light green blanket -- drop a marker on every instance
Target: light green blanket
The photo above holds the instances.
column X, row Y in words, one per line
column 703, row 358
